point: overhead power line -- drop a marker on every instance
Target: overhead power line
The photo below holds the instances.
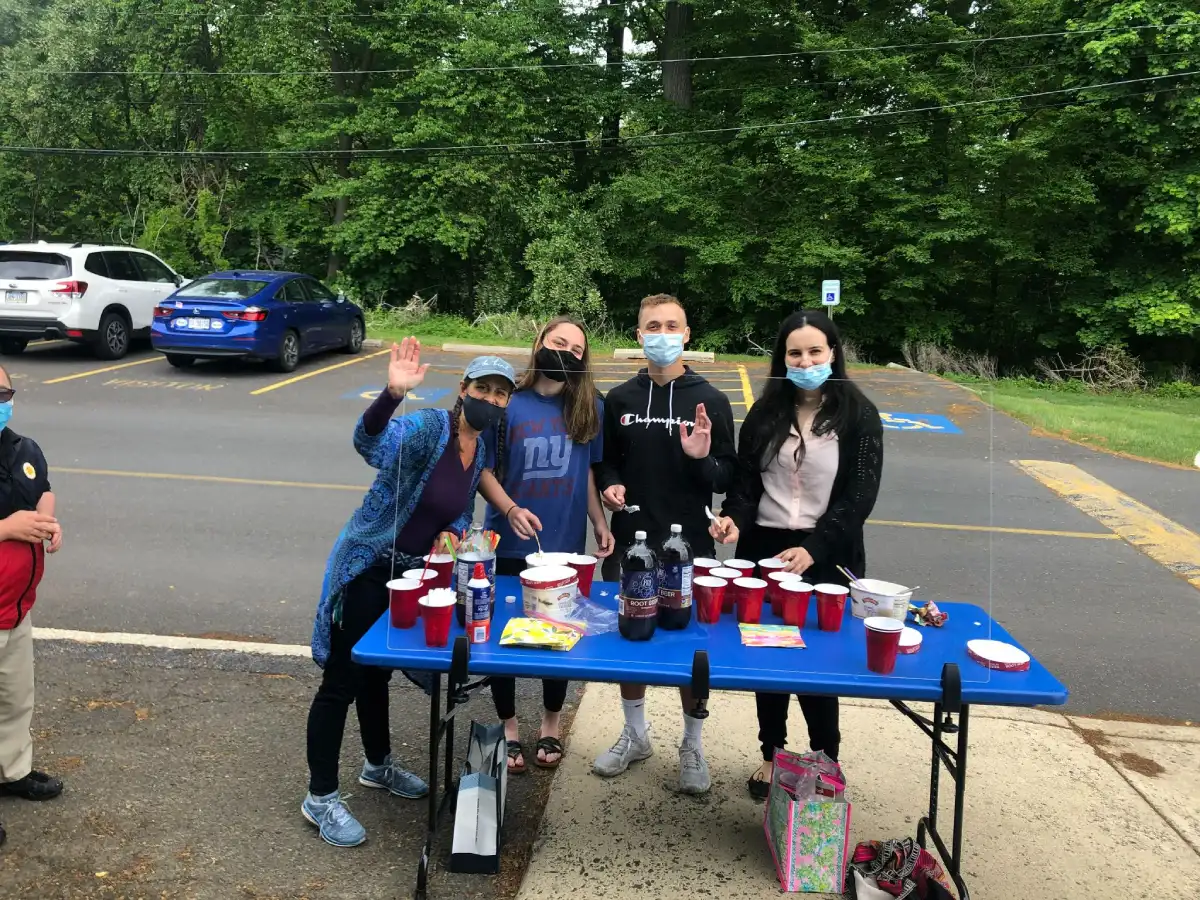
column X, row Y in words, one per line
column 434, row 69
column 580, row 143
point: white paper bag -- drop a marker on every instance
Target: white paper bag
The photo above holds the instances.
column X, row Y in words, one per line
column 479, row 812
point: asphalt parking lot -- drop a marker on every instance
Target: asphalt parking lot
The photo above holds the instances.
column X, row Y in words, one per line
column 203, row 502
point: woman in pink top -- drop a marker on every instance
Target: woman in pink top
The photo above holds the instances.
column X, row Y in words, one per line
column 810, row 458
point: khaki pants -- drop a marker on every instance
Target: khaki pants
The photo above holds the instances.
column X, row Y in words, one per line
column 16, row 701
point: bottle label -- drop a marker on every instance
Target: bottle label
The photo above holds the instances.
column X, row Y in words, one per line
column 675, row 585
column 639, row 595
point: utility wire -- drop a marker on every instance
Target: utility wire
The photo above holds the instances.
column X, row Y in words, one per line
column 580, row 143
column 434, row 69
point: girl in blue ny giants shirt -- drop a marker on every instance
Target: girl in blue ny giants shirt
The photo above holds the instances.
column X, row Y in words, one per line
column 543, row 482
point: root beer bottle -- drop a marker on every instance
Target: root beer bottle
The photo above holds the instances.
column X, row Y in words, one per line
column 675, row 582
column 637, row 604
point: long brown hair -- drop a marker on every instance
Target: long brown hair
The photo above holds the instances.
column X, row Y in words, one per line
column 579, row 395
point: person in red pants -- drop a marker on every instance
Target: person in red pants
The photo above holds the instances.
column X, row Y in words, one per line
column 28, row 530
column 810, row 458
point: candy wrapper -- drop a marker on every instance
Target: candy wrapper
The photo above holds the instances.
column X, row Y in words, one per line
column 538, row 633
column 770, row 635
column 929, row 615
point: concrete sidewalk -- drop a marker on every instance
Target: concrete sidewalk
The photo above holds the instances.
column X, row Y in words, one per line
column 1057, row 806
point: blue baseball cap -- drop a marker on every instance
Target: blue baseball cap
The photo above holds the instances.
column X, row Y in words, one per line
column 483, row 366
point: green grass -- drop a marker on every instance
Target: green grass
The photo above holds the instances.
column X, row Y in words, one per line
column 511, row 331
column 1142, row 424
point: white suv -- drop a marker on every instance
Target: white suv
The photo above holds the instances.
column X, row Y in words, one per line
column 89, row 293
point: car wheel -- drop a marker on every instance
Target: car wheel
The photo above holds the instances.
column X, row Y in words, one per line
column 180, row 361
column 289, row 352
column 13, row 346
column 354, row 345
column 112, row 342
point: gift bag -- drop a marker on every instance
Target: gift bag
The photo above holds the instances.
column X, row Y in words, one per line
column 479, row 813
column 807, row 823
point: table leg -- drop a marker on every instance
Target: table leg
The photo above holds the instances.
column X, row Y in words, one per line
column 435, row 734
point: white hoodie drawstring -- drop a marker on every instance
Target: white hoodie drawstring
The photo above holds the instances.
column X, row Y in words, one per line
column 649, row 400
column 671, row 408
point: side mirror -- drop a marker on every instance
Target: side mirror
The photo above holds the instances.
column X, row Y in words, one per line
column 341, row 298
column 178, row 279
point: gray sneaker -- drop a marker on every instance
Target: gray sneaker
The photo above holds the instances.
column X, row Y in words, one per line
column 335, row 822
column 391, row 777
column 693, row 770
column 629, row 748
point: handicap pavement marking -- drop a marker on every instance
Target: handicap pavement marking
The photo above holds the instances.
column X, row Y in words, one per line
column 370, row 392
column 902, row 421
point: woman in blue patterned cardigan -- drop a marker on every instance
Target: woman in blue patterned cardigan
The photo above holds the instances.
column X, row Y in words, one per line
column 429, row 463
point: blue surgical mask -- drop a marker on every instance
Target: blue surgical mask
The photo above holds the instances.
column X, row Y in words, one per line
column 5, row 414
column 811, row 378
column 663, row 349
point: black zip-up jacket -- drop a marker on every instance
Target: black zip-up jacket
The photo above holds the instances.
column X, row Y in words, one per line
column 642, row 451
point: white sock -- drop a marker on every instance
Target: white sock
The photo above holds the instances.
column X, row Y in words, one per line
column 635, row 715
column 691, row 732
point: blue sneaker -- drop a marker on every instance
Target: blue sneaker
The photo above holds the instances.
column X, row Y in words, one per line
column 391, row 777
column 334, row 820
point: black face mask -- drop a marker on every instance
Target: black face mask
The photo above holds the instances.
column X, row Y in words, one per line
column 558, row 365
column 480, row 414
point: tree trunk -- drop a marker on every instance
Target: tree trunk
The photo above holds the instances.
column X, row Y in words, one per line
column 614, row 53
column 677, row 75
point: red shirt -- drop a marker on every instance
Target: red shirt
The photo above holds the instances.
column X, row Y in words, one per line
column 23, row 481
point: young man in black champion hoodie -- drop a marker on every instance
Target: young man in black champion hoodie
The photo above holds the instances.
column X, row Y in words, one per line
column 668, row 447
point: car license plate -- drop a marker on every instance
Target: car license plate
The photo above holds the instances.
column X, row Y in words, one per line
column 16, row 296
column 193, row 324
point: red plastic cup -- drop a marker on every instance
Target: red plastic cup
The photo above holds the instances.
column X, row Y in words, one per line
column 750, row 594
column 831, row 606
column 586, row 567
column 769, row 565
column 795, row 596
column 704, row 566
column 428, row 577
column 437, row 610
column 883, row 643
column 708, row 593
column 744, row 566
column 774, row 597
column 443, row 565
column 727, row 575
column 403, row 594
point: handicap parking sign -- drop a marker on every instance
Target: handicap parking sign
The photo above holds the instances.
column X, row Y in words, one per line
column 831, row 292
column 918, row 422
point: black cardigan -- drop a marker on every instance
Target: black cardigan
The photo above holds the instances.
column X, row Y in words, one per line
column 838, row 536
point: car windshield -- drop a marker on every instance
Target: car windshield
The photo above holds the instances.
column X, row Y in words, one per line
column 33, row 266
column 223, row 288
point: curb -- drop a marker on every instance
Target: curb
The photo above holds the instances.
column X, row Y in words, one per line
column 373, row 344
column 688, row 355
column 498, row 350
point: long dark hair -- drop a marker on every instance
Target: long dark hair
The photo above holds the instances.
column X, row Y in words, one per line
column 501, row 433
column 775, row 411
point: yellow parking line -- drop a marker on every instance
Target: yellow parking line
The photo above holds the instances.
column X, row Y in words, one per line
column 1167, row 543
column 211, row 479
column 747, row 391
column 1092, row 535
column 128, row 365
column 315, row 372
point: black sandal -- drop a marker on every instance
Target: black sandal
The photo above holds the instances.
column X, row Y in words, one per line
column 549, row 745
column 514, row 750
column 760, row 788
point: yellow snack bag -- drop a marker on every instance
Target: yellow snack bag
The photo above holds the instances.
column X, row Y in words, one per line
column 523, row 632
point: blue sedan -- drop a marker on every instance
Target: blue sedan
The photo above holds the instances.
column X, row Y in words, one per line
column 275, row 316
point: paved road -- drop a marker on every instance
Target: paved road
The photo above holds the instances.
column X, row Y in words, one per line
column 235, row 544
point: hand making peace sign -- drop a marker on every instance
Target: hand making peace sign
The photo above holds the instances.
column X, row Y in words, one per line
column 698, row 442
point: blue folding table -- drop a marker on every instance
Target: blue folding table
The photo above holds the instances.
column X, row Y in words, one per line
column 712, row 657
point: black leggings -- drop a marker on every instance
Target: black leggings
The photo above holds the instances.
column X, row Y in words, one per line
column 821, row 714
column 364, row 600
column 504, row 690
